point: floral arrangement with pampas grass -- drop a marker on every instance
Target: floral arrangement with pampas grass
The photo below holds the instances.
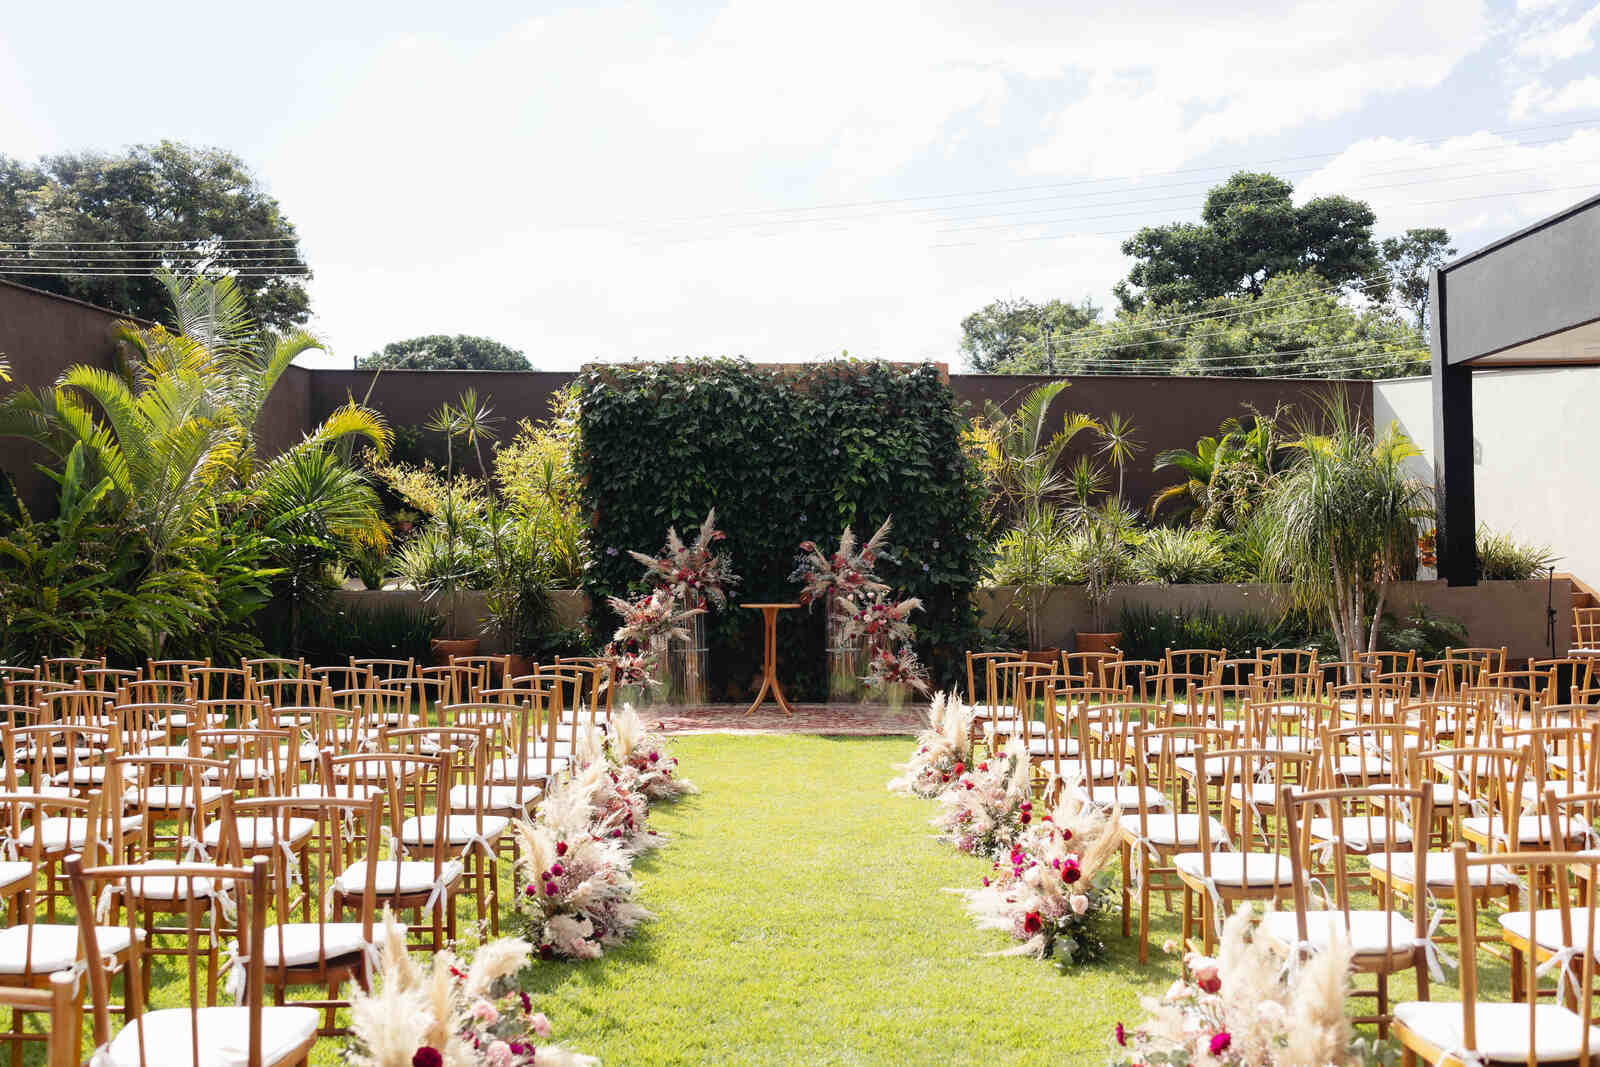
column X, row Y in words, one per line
column 619, row 812
column 987, row 807
column 576, row 889
column 632, row 748
column 651, row 616
column 1050, row 891
column 692, row 573
column 1249, row 1008
column 846, row 573
column 451, row 1013
column 944, row 749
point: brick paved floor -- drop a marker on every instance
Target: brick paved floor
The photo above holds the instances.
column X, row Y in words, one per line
column 860, row 720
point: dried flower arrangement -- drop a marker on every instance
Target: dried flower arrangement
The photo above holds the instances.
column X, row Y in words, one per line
column 453, row 1013
column 943, row 752
column 692, row 574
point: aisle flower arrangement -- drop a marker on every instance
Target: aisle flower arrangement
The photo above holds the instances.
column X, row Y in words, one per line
column 943, row 752
column 1247, row 1008
column 574, row 885
column 650, row 617
column 1049, row 890
column 631, row 747
column 452, row 1013
column 881, row 622
column 618, row 811
column 989, row 805
column 889, row 669
column 692, row 573
column 632, row 668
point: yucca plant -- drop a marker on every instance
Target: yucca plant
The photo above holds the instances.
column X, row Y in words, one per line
column 1343, row 518
column 1501, row 557
column 1181, row 556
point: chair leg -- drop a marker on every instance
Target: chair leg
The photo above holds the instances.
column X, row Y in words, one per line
column 1127, row 895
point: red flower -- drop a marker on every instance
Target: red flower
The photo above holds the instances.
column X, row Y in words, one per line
column 427, row 1056
column 1070, row 873
column 1220, row 1042
column 1122, row 1035
column 1031, row 923
column 960, row 767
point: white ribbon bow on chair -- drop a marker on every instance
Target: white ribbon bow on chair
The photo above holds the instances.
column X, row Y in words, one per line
column 1431, row 951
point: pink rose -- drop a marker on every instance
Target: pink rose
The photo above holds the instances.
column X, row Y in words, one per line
column 1080, row 904
column 485, row 1012
column 498, row 1054
column 540, row 1024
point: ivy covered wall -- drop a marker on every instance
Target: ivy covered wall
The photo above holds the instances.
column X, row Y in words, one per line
column 785, row 455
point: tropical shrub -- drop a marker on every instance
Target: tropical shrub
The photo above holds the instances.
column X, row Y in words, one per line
column 1148, row 632
column 845, row 443
column 1501, row 557
column 378, row 632
column 1182, row 556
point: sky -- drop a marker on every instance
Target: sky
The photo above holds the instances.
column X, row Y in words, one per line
column 788, row 182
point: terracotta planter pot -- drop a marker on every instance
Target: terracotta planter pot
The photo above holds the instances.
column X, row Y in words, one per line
column 1099, row 642
column 445, row 647
column 517, row 665
column 1042, row 655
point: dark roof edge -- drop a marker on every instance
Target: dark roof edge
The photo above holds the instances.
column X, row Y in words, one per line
column 1545, row 223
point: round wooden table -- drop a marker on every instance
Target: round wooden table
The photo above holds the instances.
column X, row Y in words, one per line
column 769, row 659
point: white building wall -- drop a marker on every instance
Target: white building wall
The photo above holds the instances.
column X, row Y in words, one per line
column 1536, row 454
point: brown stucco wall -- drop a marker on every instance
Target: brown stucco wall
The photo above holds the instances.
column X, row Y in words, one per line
column 43, row 334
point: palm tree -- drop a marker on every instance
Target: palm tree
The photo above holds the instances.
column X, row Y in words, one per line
column 1342, row 518
column 1023, row 451
column 1118, row 444
column 1223, row 477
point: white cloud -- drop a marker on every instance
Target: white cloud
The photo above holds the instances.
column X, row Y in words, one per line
column 1478, row 186
column 1562, row 42
column 1155, row 100
column 1539, row 99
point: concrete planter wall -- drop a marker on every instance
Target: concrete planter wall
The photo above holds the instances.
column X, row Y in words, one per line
column 571, row 605
column 1513, row 614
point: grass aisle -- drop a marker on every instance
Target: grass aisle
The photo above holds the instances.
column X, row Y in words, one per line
column 800, row 919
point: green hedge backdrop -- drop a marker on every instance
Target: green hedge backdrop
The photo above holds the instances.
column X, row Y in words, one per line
column 784, row 454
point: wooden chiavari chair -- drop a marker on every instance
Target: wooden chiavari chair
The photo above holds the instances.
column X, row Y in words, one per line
column 221, row 683
column 1488, row 660
column 344, row 677
column 12, row 674
column 414, row 788
column 456, row 682
column 1137, row 676
column 30, row 691
column 1278, row 661
column 199, row 1032
column 1474, row 1030
column 499, row 725
column 1258, row 870
column 66, row 668
column 106, row 679
column 321, row 949
column 1383, row 940
column 64, row 1040
column 290, row 692
column 172, row 669
column 269, row 667
column 1156, row 832
column 488, row 672
column 385, row 670
column 1087, row 669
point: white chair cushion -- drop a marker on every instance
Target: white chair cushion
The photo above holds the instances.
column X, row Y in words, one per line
column 1440, row 869
column 342, row 791
column 173, row 751
column 459, row 829
column 1178, row 746
column 55, row 947
column 1214, row 766
column 13, row 872
column 300, row 940
column 505, row 769
column 407, row 876
column 174, row 797
column 1260, row 794
column 1361, row 832
column 1354, row 764
column 88, row 775
column 1502, row 1029
column 247, row 769
column 495, row 797
column 1125, row 797
column 1237, row 869
column 224, row 1035
column 260, row 832
column 158, row 888
column 1370, row 932
column 1530, row 829
column 57, row 832
column 1172, row 830
column 1547, row 921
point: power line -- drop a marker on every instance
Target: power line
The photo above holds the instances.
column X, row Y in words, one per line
column 1050, row 185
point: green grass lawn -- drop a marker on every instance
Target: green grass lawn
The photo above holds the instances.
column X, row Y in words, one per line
column 800, row 919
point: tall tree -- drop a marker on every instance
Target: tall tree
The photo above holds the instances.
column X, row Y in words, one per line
column 121, row 218
column 1010, row 329
column 1250, row 231
column 1409, row 259
column 441, row 352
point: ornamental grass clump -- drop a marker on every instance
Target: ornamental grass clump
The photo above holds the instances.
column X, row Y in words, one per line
column 943, row 752
column 453, row 1013
column 1251, row 1006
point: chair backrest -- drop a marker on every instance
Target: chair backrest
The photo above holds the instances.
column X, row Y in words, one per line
column 1390, row 661
column 290, row 692
column 345, row 832
column 158, row 691
column 1198, row 661
column 1087, row 668
column 64, row 1043
column 1488, row 660
column 1135, row 675
column 488, row 672
column 185, row 789
column 105, row 679
column 247, row 887
column 1277, row 661
column 65, row 668
column 172, row 669
column 1586, row 628
column 1387, row 821
column 1563, row 871
column 221, row 683
column 382, row 670
column 257, row 757
column 262, row 669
